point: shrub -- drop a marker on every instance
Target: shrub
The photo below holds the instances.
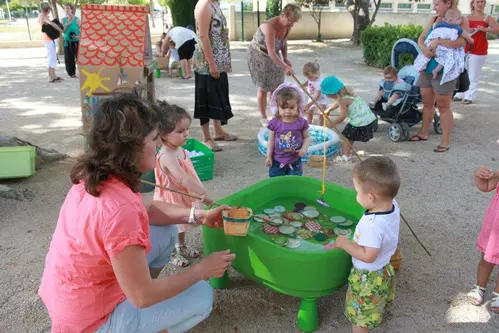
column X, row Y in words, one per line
column 377, row 43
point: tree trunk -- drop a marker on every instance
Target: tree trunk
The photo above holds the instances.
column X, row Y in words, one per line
column 319, row 35
column 151, row 5
column 60, row 40
column 359, row 9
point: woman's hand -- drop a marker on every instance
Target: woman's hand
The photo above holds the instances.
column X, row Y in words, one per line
column 481, row 28
column 213, row 217
column 287, row 62
column 428, row 52
column 215, row 265
column 214, row 71
column 288, row 70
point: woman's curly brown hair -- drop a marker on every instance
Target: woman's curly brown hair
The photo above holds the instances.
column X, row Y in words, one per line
column 116, row 140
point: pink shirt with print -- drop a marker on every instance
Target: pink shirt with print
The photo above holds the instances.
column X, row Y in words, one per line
column 78, row 286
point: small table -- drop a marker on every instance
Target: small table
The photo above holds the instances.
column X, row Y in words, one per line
column 308, row 271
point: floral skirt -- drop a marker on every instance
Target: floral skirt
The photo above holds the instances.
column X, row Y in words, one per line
column 368, row 294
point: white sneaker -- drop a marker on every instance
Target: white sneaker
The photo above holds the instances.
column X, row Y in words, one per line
column 384, row 106
column 342, row 159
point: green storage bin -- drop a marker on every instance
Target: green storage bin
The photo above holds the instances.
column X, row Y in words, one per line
column 17, row 162
column 202, row 164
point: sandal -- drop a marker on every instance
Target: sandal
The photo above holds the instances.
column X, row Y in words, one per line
column 494, row 303
column 57, row 79
column 417, row 138
column 457, row 99
column 441, row 149
column 187, row 252
column 212, row 145
column 178, row 260
column 476, row 295
column 226, row 137
column 342, row 159
column 466, row 102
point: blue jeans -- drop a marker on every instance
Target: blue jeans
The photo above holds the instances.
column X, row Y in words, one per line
column 177, row 314
column 293, row 169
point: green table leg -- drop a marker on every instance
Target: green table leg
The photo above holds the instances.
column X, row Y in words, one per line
column 220, row 283
column 308, row 316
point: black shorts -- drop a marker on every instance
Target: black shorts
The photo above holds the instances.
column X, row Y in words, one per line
column 186, row 50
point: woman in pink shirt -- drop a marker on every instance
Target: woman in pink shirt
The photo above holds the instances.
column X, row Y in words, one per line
column 108, row 248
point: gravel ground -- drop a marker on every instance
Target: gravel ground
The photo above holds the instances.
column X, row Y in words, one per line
column 437, row 197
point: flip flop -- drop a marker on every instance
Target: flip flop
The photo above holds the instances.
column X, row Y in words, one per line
column 417, row 138
column 57, row 79
column 227, row 137
column 213, row 146
column 441, row 149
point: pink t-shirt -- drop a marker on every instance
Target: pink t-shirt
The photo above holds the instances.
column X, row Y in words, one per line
column 78, row 286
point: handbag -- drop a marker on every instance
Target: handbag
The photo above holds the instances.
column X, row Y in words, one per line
column 52, row 32
column 463, row 81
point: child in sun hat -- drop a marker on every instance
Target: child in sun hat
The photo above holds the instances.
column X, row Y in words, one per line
column 360, row 116
column 289, row 136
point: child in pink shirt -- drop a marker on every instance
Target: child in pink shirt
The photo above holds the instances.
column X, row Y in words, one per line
column 174, row 169
column 488, row 240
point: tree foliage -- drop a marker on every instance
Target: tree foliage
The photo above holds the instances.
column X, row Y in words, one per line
column 273, row 8
column 316, row 7
column 182, row 11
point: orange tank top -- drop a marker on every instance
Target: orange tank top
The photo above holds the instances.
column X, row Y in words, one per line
column 166, row 179
column 480, row 43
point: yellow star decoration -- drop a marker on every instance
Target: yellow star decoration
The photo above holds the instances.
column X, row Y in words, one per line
column 94, row 82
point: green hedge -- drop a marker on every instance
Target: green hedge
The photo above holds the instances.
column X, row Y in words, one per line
column 377, row 43
column 182, row 12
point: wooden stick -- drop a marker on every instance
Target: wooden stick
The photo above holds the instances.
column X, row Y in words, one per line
column 353, row 150
column 176, row 191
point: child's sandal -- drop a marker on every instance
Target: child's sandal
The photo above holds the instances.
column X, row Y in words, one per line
column 188, row 252
column 178, row 260
column 476, row 295
column 494, row 303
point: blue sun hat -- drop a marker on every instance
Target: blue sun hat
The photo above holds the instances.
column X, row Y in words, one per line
column 331, row 85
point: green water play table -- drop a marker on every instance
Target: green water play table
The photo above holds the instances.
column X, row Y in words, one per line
column 308, row 271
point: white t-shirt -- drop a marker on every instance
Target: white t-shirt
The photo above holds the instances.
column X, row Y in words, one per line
column 180, row 35
column 313, row 87
column 380, row 231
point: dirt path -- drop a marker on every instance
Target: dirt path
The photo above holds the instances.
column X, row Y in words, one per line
column 437, row 196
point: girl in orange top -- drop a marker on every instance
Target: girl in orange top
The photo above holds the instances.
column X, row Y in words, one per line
column 174, row 170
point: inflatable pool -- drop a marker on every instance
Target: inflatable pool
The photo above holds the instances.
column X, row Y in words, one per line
column 316, row 146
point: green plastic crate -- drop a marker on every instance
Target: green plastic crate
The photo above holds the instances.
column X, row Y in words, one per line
column 202, row 164
column 17, row 162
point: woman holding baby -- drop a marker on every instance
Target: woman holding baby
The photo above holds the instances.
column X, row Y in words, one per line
column 432, row 91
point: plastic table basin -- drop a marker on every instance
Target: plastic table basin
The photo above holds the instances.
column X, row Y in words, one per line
column 305, row 274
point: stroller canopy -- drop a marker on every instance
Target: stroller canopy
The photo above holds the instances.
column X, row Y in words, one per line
column 404, row 46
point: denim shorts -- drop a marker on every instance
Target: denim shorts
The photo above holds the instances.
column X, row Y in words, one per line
column 293, row 169
column 177, row 314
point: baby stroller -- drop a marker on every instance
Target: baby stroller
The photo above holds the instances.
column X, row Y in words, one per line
column 404, row 113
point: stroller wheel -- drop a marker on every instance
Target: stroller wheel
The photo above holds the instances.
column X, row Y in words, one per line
column 436, row 124
column 396, row 132
column 406, row 131
column 375, row 125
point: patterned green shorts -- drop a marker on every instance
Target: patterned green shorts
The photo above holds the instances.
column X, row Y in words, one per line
column 369, row 293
